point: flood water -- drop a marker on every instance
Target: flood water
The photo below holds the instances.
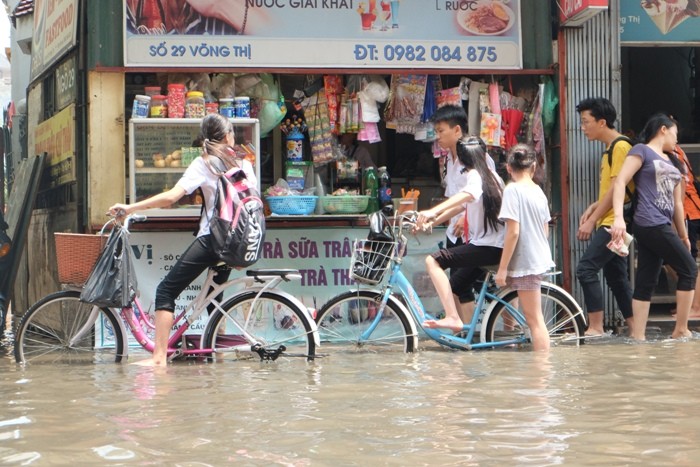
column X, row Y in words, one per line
column 609, row 403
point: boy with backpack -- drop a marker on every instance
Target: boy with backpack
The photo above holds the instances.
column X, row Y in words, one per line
column 598, row 117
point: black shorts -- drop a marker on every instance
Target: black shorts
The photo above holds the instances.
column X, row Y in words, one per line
column 466, row 263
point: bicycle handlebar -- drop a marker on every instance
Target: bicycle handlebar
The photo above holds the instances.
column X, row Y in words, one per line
column 122, row 221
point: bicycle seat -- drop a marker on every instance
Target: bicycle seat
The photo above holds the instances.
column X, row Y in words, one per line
column 270, row 272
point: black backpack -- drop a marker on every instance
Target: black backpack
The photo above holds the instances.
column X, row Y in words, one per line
column 631, row 204
column 237, row 225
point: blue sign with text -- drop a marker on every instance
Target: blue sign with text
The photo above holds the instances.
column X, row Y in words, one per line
column 660, row 22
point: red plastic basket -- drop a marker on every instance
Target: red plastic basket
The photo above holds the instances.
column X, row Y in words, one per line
column 76, row 254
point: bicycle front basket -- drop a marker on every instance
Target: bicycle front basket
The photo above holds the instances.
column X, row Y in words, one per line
column 370, row 260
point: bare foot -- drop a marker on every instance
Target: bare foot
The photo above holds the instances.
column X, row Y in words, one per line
column 694, row 313
column 453, row 325
column 681, row 334
column 150, row 362
column 593, row 332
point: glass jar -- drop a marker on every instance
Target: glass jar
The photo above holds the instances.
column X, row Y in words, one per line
column 226, row 107
column 159, row 106
column 176, row 100
column 194, row 106
column 211, row 108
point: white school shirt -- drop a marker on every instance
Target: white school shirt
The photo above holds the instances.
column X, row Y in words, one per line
column 478, row 235
column 455, row 181
column 199, row 175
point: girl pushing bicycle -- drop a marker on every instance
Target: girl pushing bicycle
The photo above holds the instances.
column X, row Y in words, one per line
column 526, row 255
column 217, row 140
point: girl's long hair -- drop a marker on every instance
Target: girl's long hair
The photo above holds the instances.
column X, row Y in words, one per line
column 212, row 138
column 652, row 128
column 472, row 155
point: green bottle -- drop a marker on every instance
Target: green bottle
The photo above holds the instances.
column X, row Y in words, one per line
column 372, row 190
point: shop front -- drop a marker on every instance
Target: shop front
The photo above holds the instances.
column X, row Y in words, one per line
column 317, row 92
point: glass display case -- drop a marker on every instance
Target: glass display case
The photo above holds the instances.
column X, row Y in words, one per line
column 160, row 149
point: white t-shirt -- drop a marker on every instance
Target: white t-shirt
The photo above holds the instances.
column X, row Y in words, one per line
column 527, row 204
column 478, row 235
column 199, row 175
column 455, row 181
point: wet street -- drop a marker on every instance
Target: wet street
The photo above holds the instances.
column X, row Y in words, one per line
column 606, row 403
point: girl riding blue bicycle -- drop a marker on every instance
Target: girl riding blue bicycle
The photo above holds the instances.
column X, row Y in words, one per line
column 482, row 192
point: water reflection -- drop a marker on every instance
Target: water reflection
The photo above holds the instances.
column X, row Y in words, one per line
column 609, row 403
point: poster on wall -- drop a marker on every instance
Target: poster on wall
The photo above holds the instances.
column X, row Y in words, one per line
column 477, row 34
column 56, row 137
column 660, row 22
column 55, row 30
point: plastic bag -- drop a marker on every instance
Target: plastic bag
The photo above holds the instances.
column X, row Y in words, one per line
column 112, row 282
column 550, row 101
column 267, row 94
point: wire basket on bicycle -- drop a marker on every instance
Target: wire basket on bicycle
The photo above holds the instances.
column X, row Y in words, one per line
column 371, row 258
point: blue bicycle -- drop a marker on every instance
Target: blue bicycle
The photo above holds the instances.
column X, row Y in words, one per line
column 371, row 317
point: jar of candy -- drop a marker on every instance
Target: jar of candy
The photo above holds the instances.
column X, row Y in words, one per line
column 242, row 106
column 140, row 108
column 176, row 100
column 226, row 107
column 152, row 91
column 159, row 106
column 211, row 108
column 194, row 106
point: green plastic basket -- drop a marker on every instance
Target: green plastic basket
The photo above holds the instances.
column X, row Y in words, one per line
column 344, row 204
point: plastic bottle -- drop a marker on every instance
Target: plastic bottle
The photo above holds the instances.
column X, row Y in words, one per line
column 242, row 106
column 141, row 106
column 384, row 188
column 372, row 190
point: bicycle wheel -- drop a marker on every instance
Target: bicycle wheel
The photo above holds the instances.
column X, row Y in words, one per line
column 562, row 316
column 276, row 323
column 344, row 319
column 60, row 328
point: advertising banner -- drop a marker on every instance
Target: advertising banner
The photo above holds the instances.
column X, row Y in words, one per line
column 476, row 34
column 56, row 137
column 55, row 29
column 322, row 256
column 660, row 22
